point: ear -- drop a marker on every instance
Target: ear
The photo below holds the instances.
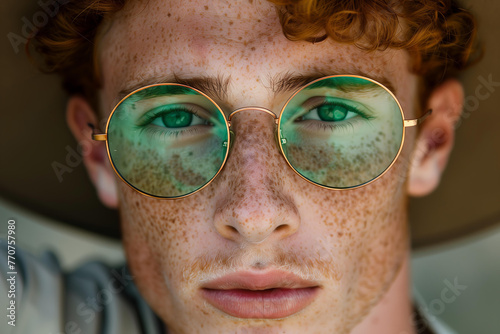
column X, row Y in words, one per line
column 435, row 138
column 79, row 115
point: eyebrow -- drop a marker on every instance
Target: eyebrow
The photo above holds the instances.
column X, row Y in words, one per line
column 218, row 86
column 161, row 90
column 287, row 82
column 345, row 84
column 212, row 86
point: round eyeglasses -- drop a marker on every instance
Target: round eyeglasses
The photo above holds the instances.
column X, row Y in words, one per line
column 338, row 132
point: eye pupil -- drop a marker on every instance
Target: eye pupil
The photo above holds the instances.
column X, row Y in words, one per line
column 177, row 119
column 332, row 113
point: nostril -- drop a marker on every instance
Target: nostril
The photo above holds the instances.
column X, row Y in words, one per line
column 281, row 227
column 232, row 229
column 230, row 232
column 246, row 214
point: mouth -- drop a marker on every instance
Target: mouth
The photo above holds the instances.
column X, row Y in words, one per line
column 270, row 295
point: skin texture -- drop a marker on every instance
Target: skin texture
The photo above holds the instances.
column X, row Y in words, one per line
column 258, row 214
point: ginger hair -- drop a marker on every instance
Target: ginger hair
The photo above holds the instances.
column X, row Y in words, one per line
column 439, row 34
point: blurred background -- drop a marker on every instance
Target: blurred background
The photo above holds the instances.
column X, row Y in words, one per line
column 455, row 231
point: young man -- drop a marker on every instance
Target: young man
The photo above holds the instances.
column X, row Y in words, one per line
column 289, row 215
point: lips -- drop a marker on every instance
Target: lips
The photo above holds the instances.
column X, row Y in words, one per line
column 270, row 295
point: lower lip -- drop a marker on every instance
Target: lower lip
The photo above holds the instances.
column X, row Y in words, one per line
column 261, row 304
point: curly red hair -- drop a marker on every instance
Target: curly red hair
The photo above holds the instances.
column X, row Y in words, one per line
column 438, row 33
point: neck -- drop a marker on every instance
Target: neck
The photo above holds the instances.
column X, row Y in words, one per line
column 393, row 314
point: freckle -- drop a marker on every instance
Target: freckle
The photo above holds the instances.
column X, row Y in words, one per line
column 252, row 48
column 206, row 7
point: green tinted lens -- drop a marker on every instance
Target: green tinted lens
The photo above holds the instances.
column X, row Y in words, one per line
column 342, row 131
column 167, row 140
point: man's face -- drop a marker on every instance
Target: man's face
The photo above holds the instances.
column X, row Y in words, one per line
column 257, row 216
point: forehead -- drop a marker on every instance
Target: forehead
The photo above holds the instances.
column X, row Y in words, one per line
column 238, row 40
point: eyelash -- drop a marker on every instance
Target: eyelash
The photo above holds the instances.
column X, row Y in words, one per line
column 150, row 116
column 154, row 131
column 330, row 126
column 162, row 134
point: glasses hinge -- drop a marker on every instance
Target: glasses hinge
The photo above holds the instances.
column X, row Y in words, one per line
column 100, row 137
column 97, row 136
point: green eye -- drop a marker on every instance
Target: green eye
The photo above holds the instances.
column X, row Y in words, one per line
column 332, row 113
column 329, row 112
column 177, row 119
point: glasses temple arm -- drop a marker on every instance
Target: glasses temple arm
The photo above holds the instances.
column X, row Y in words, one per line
column 417, row 121
column 97, row 136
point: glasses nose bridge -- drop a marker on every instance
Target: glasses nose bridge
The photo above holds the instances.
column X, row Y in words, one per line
column 265, row 110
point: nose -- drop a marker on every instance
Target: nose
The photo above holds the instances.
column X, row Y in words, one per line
column 254, row 204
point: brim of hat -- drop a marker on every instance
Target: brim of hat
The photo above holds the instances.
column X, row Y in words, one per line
column 42, row 171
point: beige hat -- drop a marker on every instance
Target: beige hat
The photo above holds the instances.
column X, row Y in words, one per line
column 42, row 168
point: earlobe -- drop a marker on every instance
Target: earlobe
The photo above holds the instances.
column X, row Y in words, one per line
column 435, row 138
column 79, row 114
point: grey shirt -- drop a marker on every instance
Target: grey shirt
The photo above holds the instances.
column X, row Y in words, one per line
column 92, row 299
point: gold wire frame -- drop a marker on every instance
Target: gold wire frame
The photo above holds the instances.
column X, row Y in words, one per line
column 406, row 123
column 104, row 137
column 277, row 120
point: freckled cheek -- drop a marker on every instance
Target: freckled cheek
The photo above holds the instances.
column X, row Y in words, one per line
column 365, row 230
column 386, row 233
column 385, row 248
column 359, row 223
column 161, row 237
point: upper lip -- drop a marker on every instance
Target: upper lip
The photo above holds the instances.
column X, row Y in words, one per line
column 250, row 280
